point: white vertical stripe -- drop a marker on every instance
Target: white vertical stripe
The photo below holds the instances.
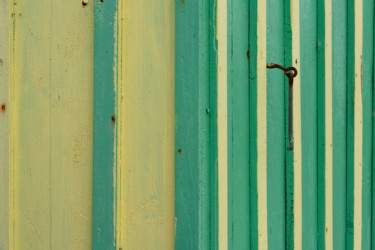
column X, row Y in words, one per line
column 297, row 154
column 222, row 124
column 262, row 125
column 328, row 126
column 358, row 15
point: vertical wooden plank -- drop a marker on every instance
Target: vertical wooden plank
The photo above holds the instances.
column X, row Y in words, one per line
column 297, row 151
column 350, row 129
column 321, row 125
column 339, row 90
column 196, row 125
column 253, row 152
column 328, row 126
column 367, row 92
column 31, row 124
column 238, row 125
column 104, row 165
column 261, row 119
column 146, row 132
column 309, row 122
column 5, row 25
column 275, row 124
column 358, row 123
column 222, row 123
column 71, row 102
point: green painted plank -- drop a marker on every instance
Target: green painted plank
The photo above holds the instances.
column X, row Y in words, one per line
column 238, row 125
column 253, row 152
column 196, row 147
column 339, row 84
column 321, row 125
column 309, row 121
column 350, row 128
column 367, row 99
column 275, row 127
column 289, row 155
column 104, row 125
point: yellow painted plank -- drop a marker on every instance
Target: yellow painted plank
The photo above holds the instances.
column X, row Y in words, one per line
column 328, row 127
column 358, row 133
column 222, row 123
column 297, row 151
column 145, row 177
column 262, row 126
column 52, row 125
column 5, row 22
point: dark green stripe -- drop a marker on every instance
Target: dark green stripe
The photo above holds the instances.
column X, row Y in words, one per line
column 104, row 126
column 275, row 127
column 196, row 118
column 253, row 55
column 350, row 129
column 309, row 121
column 289, row 155
column 321, row 125
column 339, row 84
column 238, row 125
column 367, row 89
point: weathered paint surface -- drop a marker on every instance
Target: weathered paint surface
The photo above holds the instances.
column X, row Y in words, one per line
column 5, row 21
column 51, row 119
column 145, row 133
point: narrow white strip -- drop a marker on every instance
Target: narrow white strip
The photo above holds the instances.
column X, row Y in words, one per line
column 262, row 125
column 222, row 124
column 358, row 15
column 297, row 154
column 328, row 126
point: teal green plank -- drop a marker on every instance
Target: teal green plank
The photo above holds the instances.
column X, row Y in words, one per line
column 321, row 125
column 275, row 127
column 339, row 84
column 104, row 126
column 238, row 125
column 196, row 147
column 350, row 128
column 253, row 55
column 367, row 96
column 309, row 121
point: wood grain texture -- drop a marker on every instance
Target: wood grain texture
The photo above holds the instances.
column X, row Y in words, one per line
column 5, row 25
column 52, row 124
column 146, row 125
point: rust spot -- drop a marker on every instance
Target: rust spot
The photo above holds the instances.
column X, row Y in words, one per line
column 3, row 107
column 179, row 150
column 113, row 118
column 296, row 61
column 84, row 3
column 326, row 229
column 248, row 54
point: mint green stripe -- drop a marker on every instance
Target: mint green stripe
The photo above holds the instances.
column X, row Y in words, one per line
column 339, row 84
column 289, row 166
column 321, row 125
column 367, row 99
column 350, row 129
column 275, row 126
column 309, row 122
column 253, row 55
column 238, row 125
column 103, row 227
column 196, row 143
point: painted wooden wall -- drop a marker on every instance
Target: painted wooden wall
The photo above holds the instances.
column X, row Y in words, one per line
column 48, row 92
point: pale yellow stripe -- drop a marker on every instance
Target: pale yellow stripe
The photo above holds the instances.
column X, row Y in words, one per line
column 222, row 124
column 262, row 125
column 358, row 8
column 297, row 154
column 328, row 126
